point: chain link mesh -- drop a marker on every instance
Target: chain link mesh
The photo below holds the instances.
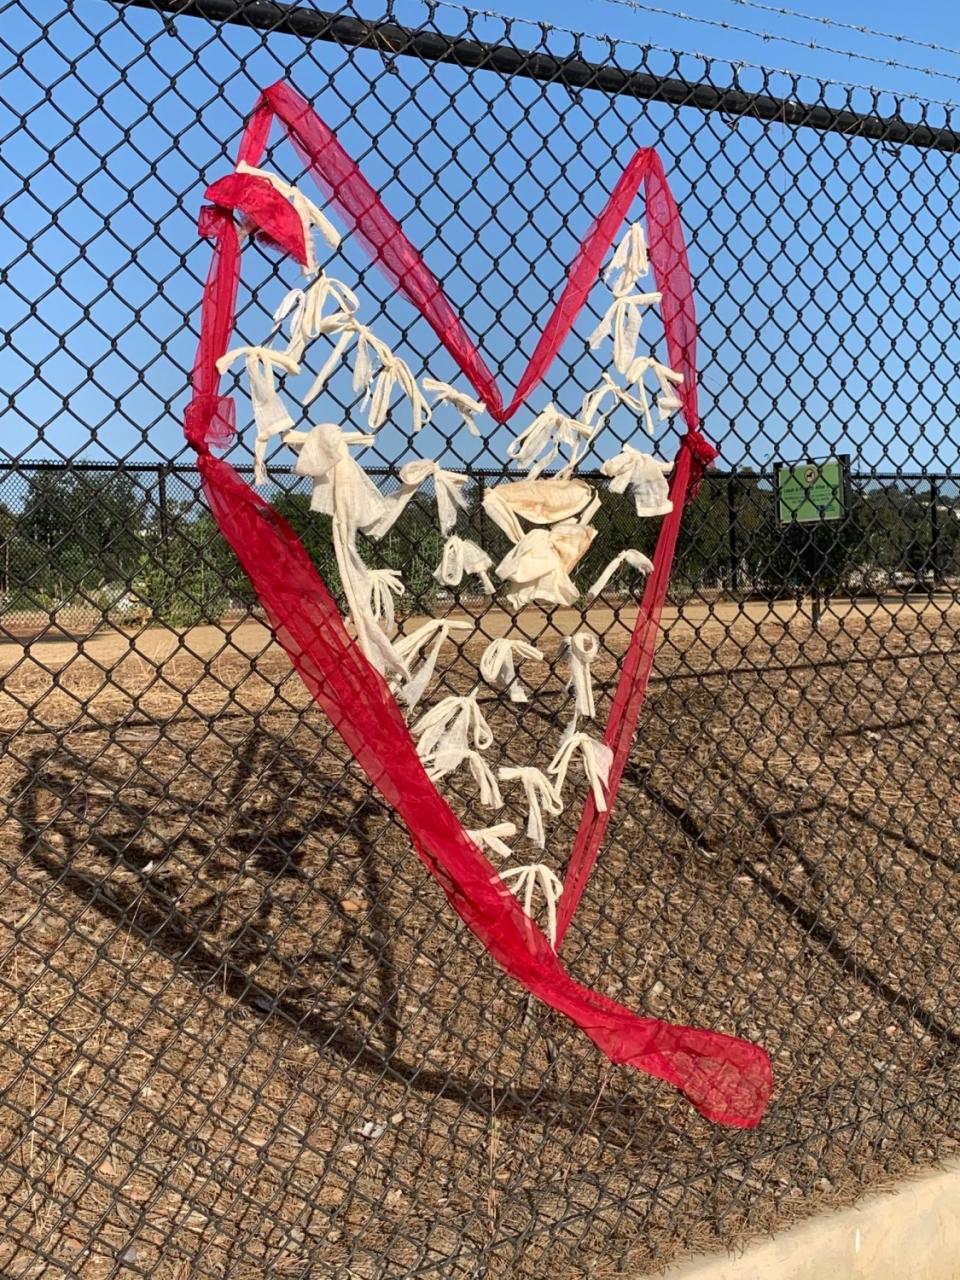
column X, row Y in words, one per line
column 243, row 1035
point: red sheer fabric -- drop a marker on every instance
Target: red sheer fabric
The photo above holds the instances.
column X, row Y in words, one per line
column 727, row 1079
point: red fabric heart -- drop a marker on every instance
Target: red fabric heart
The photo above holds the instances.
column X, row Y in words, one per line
column 727, row 1079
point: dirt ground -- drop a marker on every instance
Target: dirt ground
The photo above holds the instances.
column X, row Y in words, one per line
column 244, row 1036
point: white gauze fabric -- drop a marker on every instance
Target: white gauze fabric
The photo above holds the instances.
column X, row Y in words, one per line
column 636, row 559
column 524, row 880
column 623, row 318
column 597, row 759
column 462, row 557
column 269, row 412
column 539, row 566
column 629, row 262
column 465, row 405
column 540, row 444
column 541, row 796
column 497, row 665
column 453, row 733
column 583, row 649
column 305, row 309
column 537, row 501
column 431, row 637
column 492, row 838
column 668, row 402
column 448, row 487
column 645, row 476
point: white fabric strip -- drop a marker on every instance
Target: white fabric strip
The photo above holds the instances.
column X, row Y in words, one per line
column 645, row 476
column 497, row 665
column 448, row 759
column 492, row 838
column 383, row 585
column 539, row 566
column 629, row 263
column 636, row 559
column 537, row 447
column 305, row 308
column 524, row 880
column 448, row 487
column 668, row 402
column 269, row 411
column 541, row 796
column 597, row 759
column 433, row 633
column 623, row 318
column 376, row 384
column 453, row 722
column 460, row 557
column 465, row 405
column 308, row 213
column 593, row 405
column 583, row 649
column 537, row 501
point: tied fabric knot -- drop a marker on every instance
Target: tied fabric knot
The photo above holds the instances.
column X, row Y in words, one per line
column 644, row 476
column 465, row 405
column 269, row 412
column 376, row 371
column 384, row 584
column 448, row 487
column 308, row 213
column 703, row 454
column 524, row 880
column 636, row 559
column 629, row 262
column 593, row 402
column 583, row 649
column 492, row 838
column 597, row 759
column 452, row 723
column 668, row 402
column 433, row 633
column 545, row 435
column 624, row 318
column 305, row 308
column 541, row 796
column 446, row 760
column 497, row 665
column 539, row 566
column 461, row 556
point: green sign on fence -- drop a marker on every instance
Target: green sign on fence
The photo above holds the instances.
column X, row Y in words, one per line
column 811, row 492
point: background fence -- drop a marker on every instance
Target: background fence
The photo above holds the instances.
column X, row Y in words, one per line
column 242, row 1033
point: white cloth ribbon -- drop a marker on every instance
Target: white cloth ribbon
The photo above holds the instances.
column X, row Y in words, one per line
column 629, row 262
column 645, row 476
column 545, row 435
column 636, row 559
column 384, row 584
column 433, row 633
column 523, row 882
column 668, row 402
column 623, row 318
column 539, row 566
column 492, row 838
column 597, row 759
column 461, row 556
column 541, row 795
column 465, row 405
column 538, row 501
column 308, row 213
column 305, row 308
column 446, row 760
column 269, row 411
column 453, row 723
column 497, row 665
column 448, row 486
column 593, row 404
column 583, row 649
column 376, row 371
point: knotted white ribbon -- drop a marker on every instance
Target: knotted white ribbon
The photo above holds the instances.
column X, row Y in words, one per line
column 446, row 760
column 645, row 476
column 539, row 566
column 492, row 838
column 497, row 665
column 451, row 724
column 593, row 402
column 583, row 649
column 305, row 308
column 384, row 584
column 524, row 880
column 461, row 556
column 623, row 317
column 628, row 263
column 465, row 405
column 545, row 435
column 541, row 795
column 448, row 487
column 432, row 633
column 668, row 402
column 376, row 384
column 636, row 559
column 396, row 372
column 269, row 412
column 308, row 213
column 597, row 759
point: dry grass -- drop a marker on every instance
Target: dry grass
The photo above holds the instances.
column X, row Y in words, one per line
column 245, row 1037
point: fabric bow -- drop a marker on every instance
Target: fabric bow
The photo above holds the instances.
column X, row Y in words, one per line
column 544, row 436
column 497, row 665
column 629, row 262
column 461, row 556
column 448, row 487
column 492, row 838
column 645, row 476
column 524, row 880
column 305, row 307
column 453, row 721
column 384, row 584
column 583, row 649
column 269, row 412
column 433, row 633
column 465, row 405
column 597, row 759
column 623, row 317
column 668, row 402
column 636, row 559
column 541, row 795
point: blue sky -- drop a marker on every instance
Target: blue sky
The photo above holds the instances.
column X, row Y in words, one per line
column 825, row 268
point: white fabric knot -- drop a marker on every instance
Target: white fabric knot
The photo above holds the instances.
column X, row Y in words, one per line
column 384, row 584
column 497, row 665
column 539, row 566
column 668, row 402
column 623, row 317
column 645, row 476
column 305, row 308
column 376, row 371
column 448, row 488
column 524, row 880
column 452, row 723
column 597, row 760
column 545, row 435
column 396, row 372
column 461, row 556
column 465, row 405
column 636, row 559
column 538, row 501
column 269, row 412
column 492, row 838
column 593, row 402
column 446, row 760
column 583, row 649
column 629, row 262
column 433, row 633
column 541, row 795
column 308, row 213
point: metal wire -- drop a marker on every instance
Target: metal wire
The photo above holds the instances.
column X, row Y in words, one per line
column 241, row 1033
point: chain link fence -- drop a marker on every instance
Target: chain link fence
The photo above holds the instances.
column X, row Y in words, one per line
column 243, row 1035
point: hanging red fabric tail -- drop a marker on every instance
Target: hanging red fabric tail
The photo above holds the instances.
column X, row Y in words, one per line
column 727, row 1079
